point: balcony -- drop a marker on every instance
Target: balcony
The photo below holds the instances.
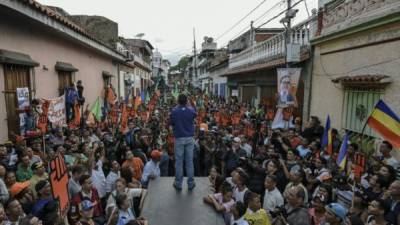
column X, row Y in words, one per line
column 141, row 62
column 274, row 47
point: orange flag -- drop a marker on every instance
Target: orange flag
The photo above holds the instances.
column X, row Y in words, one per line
column 42, row 122
column 77, row 117
column 124, row 119
column 111, row 98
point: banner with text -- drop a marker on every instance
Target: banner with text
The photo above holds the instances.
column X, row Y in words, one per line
column 56, row 112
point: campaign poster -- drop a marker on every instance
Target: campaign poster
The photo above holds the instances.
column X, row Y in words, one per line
column 56, row 112
column 23, row 103
column 288, row 80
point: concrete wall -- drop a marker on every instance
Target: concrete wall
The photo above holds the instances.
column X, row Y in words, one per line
column 378, row 58
column 47, row 48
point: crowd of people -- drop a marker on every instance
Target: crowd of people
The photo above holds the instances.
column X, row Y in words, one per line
column 258, row 176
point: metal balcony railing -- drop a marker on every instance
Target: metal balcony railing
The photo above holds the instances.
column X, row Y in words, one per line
column 274, row 47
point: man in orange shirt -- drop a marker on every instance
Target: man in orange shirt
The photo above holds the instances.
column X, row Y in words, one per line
column 135, row 163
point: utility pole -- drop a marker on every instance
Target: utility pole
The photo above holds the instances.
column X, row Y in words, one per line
column 194, row 54
column 288, row 30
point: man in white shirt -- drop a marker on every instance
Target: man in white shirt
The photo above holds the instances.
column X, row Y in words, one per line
column 245, row 146
column 386, row 149
column 151, row 169
column 273, row 197
column 112, row 176
column 99, row 179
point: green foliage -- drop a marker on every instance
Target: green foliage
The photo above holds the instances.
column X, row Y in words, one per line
column 182, row 64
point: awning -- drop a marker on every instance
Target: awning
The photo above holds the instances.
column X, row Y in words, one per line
column 63, row 66
column 364, row 80
column 107, row 74
column 10, row 57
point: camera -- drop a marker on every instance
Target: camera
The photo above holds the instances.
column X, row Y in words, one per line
column 279, row 211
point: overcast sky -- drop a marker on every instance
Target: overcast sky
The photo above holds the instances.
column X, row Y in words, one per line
column 168, row 24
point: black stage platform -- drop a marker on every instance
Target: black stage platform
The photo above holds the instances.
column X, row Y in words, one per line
column 166, row 206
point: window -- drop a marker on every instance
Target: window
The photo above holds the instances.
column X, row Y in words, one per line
column 358, row 104
column 215, row 89
column 222, row 90
column 15, row 76
column 64, row 81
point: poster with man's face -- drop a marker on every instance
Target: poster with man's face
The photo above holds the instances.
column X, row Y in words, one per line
column 288, row 79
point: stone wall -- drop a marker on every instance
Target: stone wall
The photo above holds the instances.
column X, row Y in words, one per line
column 100, row 27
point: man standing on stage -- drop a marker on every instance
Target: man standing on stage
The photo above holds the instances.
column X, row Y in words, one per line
column 182, row 121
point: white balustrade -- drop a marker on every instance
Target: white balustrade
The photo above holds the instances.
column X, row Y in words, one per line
column 274, row 46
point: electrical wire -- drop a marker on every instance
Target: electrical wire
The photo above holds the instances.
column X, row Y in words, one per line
column 237, row 23
column 257, row 19
column 282, row 12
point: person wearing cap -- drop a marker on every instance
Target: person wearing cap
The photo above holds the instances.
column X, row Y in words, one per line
column 39, row 173
column 17, row 187
column 86, row 210
column 43, row 190
column 88, row 192
column 182, row 120
column 152, row 168
column 335, row 214
column 24, row 171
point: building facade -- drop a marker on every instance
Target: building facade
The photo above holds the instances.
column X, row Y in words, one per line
column 356, row 61
column 46, row 52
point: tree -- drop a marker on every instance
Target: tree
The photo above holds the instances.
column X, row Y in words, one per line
column 182, row 64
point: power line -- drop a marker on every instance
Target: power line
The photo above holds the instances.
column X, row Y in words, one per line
column 237, row 23
column 271, row 19
column 258, row 18
column 280, row 14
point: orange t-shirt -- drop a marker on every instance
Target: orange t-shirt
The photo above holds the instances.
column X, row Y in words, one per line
column 137, row 165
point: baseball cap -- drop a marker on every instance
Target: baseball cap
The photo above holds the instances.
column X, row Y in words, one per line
column 156, row 155
column 338, row 210
column 37, row 165
column 41, row 184
column 18, row 187
column 86, row 205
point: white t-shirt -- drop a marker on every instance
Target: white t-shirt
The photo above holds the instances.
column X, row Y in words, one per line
column 240, row 221
column 239, row 195
column 272, row 200
column 99, row 179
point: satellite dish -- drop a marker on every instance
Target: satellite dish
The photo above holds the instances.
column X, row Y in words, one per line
column 140, row 35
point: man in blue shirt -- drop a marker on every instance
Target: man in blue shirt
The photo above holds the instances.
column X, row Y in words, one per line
column 182, row 121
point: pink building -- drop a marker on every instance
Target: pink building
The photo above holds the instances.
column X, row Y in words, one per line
column 46, row 52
